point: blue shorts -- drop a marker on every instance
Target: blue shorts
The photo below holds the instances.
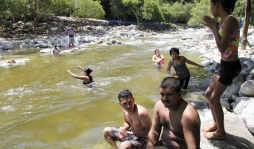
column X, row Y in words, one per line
column 71, row 40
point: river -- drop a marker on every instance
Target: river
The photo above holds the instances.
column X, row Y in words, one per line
column 42, row 106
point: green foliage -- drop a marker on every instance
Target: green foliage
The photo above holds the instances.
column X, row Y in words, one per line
column 89, row 9
column 239, row 11
column 197, row 12
column 152, row 11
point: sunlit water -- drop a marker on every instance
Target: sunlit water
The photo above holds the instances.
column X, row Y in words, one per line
column 42, row 106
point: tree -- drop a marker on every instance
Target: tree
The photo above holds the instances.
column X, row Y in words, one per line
column 152, row 11
column 246, row 24
column 89, row 9
column 197, row 12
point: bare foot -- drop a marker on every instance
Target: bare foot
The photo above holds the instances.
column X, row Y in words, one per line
column 209, row 128
column 214, row 135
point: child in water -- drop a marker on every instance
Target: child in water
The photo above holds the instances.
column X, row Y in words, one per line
column 227, row 36
column 87, row 78
column 11, row 62
column 56, row 50
column 182, row 72
column 158, row 59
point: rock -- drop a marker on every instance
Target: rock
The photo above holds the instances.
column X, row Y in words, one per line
column 237, row 136
column 197, row 104
column 207, row 62
column 205, row 84
column 7, row 45
column 241, row 103
column 248, row 88
column 213, row 67
column 113, row 41
column 249, row 77
column 234, row 88
column 245, row 72
column 249, row 64
column 251, row 72
column 208, row 36
column 225, row 103
column 234, row 97
column 248, row 116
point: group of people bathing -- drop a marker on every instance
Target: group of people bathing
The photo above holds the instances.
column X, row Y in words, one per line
column 69, row 32
column 179, row 119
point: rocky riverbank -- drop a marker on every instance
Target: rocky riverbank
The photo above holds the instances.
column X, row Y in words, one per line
column 237, row 101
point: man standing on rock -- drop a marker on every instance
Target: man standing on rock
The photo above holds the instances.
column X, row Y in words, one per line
column 71, row 32
column 179, row 119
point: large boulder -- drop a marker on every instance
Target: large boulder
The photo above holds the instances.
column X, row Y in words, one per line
column 247, row 88
column 215, row 66
column 237, row 136
column 208, row 36
column 205, row 84
column 234, row 88
column 248, row 116
column 241, row 103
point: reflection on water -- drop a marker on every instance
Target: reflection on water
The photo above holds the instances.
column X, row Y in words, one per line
column 42, row 106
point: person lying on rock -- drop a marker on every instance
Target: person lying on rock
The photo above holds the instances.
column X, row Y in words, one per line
column 178, row 119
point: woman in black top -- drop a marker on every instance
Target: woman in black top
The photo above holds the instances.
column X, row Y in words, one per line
column 87, row 78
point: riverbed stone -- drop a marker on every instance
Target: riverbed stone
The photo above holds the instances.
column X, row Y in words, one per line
column 248, row 88
column 237, row 136
column 248, row 117
column 241, row 103
column 213, row 67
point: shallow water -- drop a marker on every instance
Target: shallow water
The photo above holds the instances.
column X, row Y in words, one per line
column 42, row 106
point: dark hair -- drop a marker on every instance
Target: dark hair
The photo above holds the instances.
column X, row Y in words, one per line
column 171, row 82
column 228, row 5
column 88, row 70
column 156, row 50
column 174, row 50
column 124, row 94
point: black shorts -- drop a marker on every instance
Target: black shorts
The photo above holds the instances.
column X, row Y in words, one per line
column 228, row 71
column 184, row 82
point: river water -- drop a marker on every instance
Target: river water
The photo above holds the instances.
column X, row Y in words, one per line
column 42, row 106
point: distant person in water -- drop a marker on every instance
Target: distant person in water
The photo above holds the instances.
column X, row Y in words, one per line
column 137, row 123
column 56, row 50
column 11, row 62
column 87, row 78
column 71, row 32
column 158, row 59
column 181, row 70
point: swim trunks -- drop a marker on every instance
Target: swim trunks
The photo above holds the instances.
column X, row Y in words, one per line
column 136, row 142
column 159, row 143
column 228, row 71
column 71, row 40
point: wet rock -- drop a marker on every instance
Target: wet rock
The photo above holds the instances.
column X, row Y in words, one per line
column 205, row 84
column 213, row 67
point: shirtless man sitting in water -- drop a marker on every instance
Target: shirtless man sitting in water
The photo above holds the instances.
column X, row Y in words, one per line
column 137, row 118
column 179, row 119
